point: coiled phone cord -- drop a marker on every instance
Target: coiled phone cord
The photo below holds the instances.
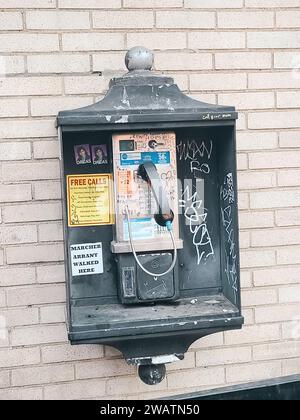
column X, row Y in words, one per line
column 169, row 227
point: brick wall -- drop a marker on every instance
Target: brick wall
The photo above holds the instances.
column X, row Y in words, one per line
column 241, row 52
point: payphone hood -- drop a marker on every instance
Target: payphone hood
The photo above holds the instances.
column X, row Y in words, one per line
column 142, row 95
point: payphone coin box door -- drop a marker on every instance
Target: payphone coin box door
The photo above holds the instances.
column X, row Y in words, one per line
column 150, row 219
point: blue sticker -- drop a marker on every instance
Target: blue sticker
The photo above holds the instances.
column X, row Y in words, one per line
column 141, row 228
column 158, row 158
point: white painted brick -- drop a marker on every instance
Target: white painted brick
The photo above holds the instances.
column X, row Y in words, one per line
column 53, row 314
column 34, row 253
column 274, row 199
column 245, row 19
column 276, row 313
column 57, row 20
column 11, row 21
column 185, row 19
column 209, row 341
column 217, row 81
column 288, row 19
column 152, row 4
column 23, row 394
column 257, row 258
column 187, row 363
column 123, row 19
column 243, row 201
column 246, row 280
column 216, row 40
column 291, row 329
column 290, row 367
column 18, row 234
column 214, row 4
column 289, row 139
column 45, row 190
column 286, row 60
column 32, row 212
column 41, row 334
column 243, row 60
column 27, row 129
column 252, row 220
column 31, row 171
column 271, row 3
column 183, row 61
column 288, row 255
column 279, row 39
column 244, row 239
column 25, row 42
column 68, row 353
column 2, row 298
column 259, row 297
column 130, row 385
column 18, row 357
column 19, row 317
column 158, row 40
column 30, row 86
column 112, row 352
column 277, row 275
column 107, row 63
column 85, row 84
column 276, row 237
column 288, row 100
column 253, row 372
column 102, row 369
column 289, row 217
column 17, row 276
column 92, row 41
column 248, row 100
column 13, row 193
column 50, row 274
column 42, row 375
column 253, row 334
column 52, row 105
column 289, row 294
column 289, row 178
column 58, row 63
column 15, row 151
column 4, row 379
column 13, row 64
column 46, row 149
column 256, row 180
column 27, row 4
column 223, row 356
column 288, row 119
column 75, row 390
column 248, row 315
column 50, row 232
column 256, row 141
column 88, row 4
column 197, row 377
column 274, row 159
column 275, row 80
column 36, row 295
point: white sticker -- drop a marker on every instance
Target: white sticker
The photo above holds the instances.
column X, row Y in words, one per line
column 87, row 259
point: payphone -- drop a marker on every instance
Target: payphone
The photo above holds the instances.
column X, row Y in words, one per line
column 146, row 203
column 150, row 217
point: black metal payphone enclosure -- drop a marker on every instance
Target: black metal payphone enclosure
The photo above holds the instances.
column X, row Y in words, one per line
column 208, row 262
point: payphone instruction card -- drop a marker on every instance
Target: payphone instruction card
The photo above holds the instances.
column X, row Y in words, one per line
column 89, row 200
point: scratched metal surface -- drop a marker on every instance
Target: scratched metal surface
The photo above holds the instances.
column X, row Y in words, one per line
column 204, row 306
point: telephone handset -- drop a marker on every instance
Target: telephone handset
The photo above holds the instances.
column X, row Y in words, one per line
column 146, row 203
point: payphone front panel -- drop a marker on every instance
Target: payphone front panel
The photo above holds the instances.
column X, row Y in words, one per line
column 142, row 244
